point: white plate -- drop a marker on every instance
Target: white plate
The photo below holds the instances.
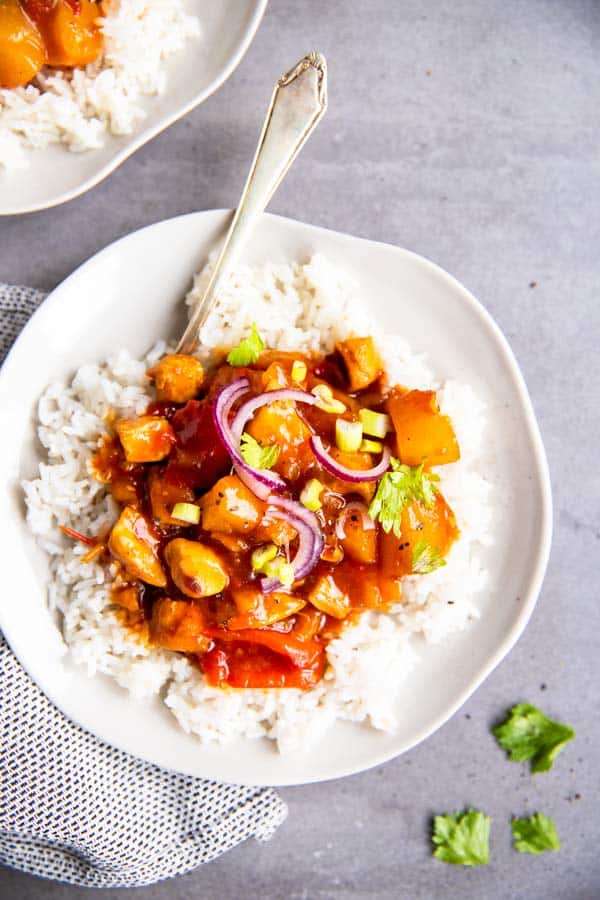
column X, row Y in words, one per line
column 130, row 294
column 55, row 174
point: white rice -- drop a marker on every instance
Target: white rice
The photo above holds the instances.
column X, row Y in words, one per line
column 79, row 108
column 295, row 307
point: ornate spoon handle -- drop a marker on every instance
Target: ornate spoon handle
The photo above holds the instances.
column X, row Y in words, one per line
column 297, row 105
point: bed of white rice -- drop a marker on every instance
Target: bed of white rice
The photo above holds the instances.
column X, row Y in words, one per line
column 295, row 306
column 81, row 107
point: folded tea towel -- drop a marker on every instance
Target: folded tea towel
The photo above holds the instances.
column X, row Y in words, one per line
column 75, row 809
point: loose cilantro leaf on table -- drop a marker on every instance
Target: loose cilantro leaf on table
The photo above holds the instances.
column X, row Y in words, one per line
column 398, row 488
column 248, row 350
column 527, row 734
column 426, row 558
column 535, row 834
column 256, row 455
column 462, row 839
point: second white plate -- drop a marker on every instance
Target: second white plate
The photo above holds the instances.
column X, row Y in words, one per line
column 55, row 174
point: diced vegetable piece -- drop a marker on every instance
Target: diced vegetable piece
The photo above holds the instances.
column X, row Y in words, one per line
column 134, row 542
column 363, row 363
column 368, row 446
column 422, row 432
column 326, row 401
column 359, row 543
column 23, row 53
column 433, row 526
column 195, row 568
column 230, row 507
column 358, row 461
column 292, row 433
column 329, row 598
column 177, row 377
column 261, row 556
column 348, row 435
column 145, row 439
column 310, row 496
column 165, row 496
column 178, row 625
column 299, row 371
column 276, row 531
column 263, row 658
column 71, row 38
column 257, row 610
column 374, row 423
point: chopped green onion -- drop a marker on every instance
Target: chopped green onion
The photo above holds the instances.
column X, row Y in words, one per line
column 326, row 401
column 298, row 370
column 286, row 574
column 369, row 446
column 348, row 435
column 261, row 556
column 186, row 512
column 311, row 494
column 279, row 568
column 374, row 423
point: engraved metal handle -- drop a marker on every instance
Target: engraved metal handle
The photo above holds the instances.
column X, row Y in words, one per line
column 297, row 105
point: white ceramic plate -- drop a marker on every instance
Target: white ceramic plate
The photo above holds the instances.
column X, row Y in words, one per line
column 55, row 174
column 130, row 294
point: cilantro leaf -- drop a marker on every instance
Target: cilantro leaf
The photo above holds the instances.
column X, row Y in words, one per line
column 256, row 455
column 399, row 488
column 535, row 834
column 527, row 734
column 248, row 350
column 426, row 558
column 462, row 839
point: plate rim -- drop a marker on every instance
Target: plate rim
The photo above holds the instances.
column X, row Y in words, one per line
column 149, row 132
column 537, row 570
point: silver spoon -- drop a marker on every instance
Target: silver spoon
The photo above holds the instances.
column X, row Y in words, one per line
column 297, row 105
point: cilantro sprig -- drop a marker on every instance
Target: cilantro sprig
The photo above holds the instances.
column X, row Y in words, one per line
column 256, row 455
column 397, row 489
column 528, row 734
column 462, row 839
column 535, row 834
column 426, row 558
column 248, row 350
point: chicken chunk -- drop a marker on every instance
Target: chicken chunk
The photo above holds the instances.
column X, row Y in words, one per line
column 178, row 625
column 134, row 542
column 362, row 361
column 329, row 598
column 256, row 610
column 195, row 568
column 177, row 377
column 145, row 439
column 230, row 507
column 426, row 536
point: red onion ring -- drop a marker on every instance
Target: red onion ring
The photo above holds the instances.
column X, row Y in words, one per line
column 310, row 539
column 260, row 481
column 360, row 509
column 355, row 476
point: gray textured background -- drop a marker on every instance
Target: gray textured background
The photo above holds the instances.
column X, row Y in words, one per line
column 466, row 130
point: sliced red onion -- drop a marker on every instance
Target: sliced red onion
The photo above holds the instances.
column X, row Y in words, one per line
column 247, row 409
column 358, row 509
column 355, row 476
column 310, row 539
column 260, row 481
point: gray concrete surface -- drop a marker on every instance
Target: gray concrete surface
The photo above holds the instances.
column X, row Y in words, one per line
column 467, row 131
